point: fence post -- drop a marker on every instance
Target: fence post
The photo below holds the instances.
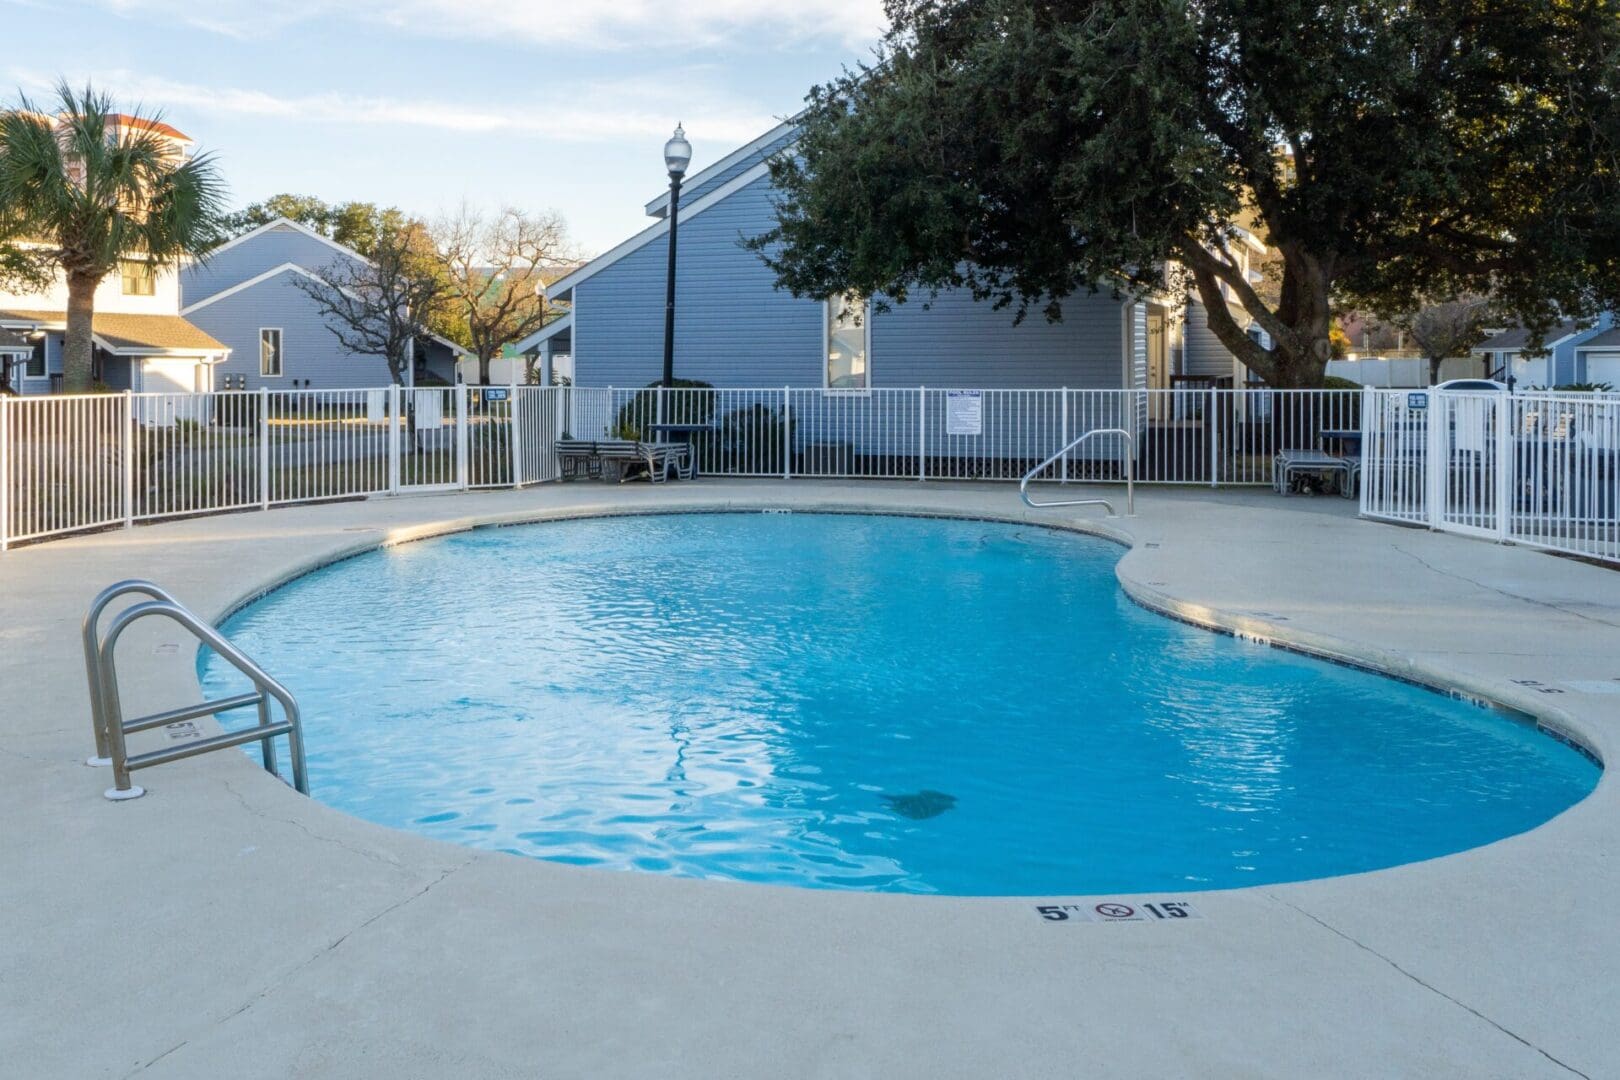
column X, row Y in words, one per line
column 395, row 423
column 1063, row 466
column 787, row 433
column 1212, row 416
column 129, row 459
column 661, row 413
column 922, row 433
column 462, row 441
column 264, row 448
column 5, row 472
column 1506, row 460
column 1437, row 452
column 516, row 439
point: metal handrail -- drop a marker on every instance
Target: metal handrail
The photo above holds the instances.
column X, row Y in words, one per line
column 105, row 672
column 92, row 645
column 1130, row 475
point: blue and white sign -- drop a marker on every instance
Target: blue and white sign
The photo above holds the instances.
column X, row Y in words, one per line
column 1419, row 400
column 496, row 393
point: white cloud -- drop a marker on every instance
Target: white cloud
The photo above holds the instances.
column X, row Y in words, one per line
column 595, row 24
column 595, row 112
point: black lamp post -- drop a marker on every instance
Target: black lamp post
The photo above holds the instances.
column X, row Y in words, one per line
column 677, row 154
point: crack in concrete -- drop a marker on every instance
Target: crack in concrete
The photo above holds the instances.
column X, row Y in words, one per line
column 1510, row 1033
column 301, row 827
column 325, row 950
column 1421, row 561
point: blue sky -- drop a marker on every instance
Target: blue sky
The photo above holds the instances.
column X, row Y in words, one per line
column 424, row 103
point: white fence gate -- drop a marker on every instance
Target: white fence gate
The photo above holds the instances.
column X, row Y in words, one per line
column 1539, row 468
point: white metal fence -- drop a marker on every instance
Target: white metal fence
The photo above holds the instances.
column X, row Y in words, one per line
column 75, row 463
column 72, row 463
column 1210, row 437
column 1538, row 468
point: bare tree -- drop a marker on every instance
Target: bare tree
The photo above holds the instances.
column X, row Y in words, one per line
column 496, row 267
column 1445, row 328
column 378, row 306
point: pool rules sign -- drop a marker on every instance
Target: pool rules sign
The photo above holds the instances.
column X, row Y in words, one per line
column 964, row 412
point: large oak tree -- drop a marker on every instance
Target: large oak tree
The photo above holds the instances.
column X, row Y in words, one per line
column 1033, row 149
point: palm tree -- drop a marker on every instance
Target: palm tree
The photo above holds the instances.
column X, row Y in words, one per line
column 92, row 187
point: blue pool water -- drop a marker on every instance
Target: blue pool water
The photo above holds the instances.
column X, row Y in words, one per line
column 858, row 702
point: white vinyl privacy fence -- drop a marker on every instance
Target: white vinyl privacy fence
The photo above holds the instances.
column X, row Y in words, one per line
column 1540, row 468
column 73, row 463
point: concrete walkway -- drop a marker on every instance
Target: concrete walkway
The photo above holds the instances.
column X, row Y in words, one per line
column 224, row 926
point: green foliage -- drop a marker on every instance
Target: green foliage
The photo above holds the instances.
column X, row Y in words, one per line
column 750, row 438
column 93, row 189
column 1387, row 152
column 357, row 225
column 684, row 408
column 1334, row 382
column 1583, row 388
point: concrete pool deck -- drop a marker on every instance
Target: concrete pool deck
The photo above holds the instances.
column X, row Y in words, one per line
column 224, row 926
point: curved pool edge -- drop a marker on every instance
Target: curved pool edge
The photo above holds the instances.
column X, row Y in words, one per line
column 1450, row 966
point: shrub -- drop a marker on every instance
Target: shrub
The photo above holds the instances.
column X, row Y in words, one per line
column 642, row 409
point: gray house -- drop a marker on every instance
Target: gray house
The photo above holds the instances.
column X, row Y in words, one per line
column 245, row 294
column 735, row 328
column 1571, row 352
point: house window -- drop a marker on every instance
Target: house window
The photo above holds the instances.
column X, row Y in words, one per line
column 36, row 360
column 848, row 341
column 139, row 277
column 270, row 354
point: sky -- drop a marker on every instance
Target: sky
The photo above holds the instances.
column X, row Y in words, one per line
column 424, row 104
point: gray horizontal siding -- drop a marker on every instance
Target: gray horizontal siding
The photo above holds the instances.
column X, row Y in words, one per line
column 734, row 328
column 1204, row 353
column 309, row 350
column 251, row 258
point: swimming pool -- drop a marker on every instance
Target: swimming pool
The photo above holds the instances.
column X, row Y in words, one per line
column 863, row 702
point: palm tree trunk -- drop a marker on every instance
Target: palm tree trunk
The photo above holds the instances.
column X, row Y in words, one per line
column 77, row 362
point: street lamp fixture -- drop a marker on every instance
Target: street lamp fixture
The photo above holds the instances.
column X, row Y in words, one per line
column 677, row 155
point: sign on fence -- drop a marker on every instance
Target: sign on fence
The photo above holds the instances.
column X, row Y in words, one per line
column 964, row 412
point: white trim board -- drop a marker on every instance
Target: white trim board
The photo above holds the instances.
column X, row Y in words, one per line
column 546, row 332
column 565, row 285
column 259, row 279
column 295, row 225
column 659, row 206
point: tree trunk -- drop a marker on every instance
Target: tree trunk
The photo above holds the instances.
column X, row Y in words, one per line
column 77, row 362
column 1434, row 370
column 483, row 369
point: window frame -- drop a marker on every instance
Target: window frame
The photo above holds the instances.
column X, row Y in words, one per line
column 41, row 350
column 281, row 352
column 149, row 277
column 826, row 345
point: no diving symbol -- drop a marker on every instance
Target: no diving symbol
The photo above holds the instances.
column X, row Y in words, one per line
column 1115, row 911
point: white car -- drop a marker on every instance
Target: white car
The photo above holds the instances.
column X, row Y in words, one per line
column 1469, row 384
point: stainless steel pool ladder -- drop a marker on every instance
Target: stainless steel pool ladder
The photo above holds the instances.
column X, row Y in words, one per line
column 1130, row 475
column 106, row 710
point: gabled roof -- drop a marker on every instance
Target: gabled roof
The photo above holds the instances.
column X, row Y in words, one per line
column 560, row 289
column 257, row 279
column 294, row 268
column 127, row 335
column 1608, row 339
column 299, row 226
column 1517, row 337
